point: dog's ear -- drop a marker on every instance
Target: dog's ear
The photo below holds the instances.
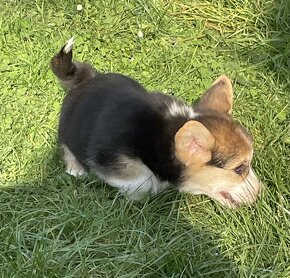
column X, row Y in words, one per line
column 193, row 143
column 218, row 98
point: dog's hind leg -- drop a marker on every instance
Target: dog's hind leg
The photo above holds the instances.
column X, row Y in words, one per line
column 73, row 167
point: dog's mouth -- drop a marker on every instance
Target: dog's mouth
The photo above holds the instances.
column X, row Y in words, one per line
column 229, row 199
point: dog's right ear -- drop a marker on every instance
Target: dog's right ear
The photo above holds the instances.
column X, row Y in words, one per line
column 218, row 98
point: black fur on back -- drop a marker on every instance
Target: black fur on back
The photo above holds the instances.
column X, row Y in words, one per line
column 110, row 116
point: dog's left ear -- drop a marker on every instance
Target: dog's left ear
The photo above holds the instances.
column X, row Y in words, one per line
column 193, row 143
column 218, row 98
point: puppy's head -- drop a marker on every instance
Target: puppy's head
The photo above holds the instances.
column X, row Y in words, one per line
column 217, row 151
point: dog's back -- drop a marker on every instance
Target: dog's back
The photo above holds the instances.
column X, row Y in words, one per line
column 108, row 120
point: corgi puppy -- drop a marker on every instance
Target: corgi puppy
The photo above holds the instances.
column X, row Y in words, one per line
column 141, row 142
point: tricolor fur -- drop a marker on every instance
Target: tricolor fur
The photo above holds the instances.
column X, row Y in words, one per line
column 140, row 142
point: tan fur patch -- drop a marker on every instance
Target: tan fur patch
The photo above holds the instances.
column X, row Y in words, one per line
column 232, row 143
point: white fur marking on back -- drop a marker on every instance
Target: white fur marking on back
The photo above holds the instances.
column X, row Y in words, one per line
column 72, row 166
column 69, row 45
column 181, row 109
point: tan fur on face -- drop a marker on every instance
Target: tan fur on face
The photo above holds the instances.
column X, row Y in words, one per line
column 215, row 170
column 232, row 148
column 231, row 140
column 213, row 182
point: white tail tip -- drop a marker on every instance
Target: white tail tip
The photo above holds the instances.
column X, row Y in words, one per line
column 69, row 45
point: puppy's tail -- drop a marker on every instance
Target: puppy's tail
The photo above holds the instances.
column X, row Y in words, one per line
column 69, row 72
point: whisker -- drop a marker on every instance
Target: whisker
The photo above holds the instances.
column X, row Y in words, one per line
column 249, row 189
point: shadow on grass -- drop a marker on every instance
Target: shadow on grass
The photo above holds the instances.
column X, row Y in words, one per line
column 66, row 227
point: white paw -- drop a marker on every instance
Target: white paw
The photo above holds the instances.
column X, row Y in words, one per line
column 75, row 172
column 69, row 45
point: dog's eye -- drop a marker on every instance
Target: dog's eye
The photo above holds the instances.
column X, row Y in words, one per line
column 240, row 169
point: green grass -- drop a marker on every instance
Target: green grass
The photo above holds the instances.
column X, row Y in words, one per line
column 53, row 225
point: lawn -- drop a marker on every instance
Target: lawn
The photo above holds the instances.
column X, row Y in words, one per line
column 54, row 225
